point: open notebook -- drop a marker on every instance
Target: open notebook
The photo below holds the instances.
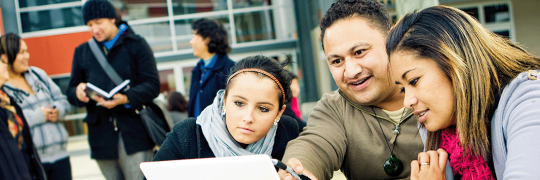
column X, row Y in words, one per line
column 250, row 167
column 92, row 90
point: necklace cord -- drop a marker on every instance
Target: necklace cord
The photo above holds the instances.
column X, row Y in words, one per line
column 386, row 141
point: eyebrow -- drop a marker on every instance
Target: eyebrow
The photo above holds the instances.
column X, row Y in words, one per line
column 238, row 96
column 405, row 73
column 350, row 50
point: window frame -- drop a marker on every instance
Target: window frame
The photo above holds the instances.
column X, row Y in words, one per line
column 494, row 26
column 276, row 9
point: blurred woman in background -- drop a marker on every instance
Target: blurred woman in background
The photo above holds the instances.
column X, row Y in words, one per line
column 18, row 156
column 42, row 103
column 177, row 106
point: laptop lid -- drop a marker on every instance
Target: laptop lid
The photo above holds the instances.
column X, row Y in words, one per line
column 249, row 167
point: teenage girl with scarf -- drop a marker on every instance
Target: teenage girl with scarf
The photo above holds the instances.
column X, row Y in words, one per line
column 244, row 119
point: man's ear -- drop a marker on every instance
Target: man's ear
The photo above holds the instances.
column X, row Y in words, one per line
column 207, row 40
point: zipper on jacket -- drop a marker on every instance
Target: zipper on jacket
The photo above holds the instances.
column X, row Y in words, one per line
column 115, row 127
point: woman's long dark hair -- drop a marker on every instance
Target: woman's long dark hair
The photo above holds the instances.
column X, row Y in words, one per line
column 478, row 62
column 10, row 45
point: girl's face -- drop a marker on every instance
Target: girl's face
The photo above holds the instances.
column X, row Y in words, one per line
column 428, row 91
column 252, row 105
column 20, row 64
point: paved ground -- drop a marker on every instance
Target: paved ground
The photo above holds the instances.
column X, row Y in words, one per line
column 84, row 168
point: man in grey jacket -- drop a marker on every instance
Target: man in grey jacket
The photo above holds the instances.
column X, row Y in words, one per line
column 362, row 128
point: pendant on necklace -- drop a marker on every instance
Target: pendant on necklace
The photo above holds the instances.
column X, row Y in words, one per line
column 393, row 166
column 396, row 131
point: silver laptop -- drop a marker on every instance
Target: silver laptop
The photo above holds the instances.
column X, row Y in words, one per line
column 250, row 167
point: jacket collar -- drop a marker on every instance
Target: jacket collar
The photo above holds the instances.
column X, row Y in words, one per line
column 221, row 60
column 369, row 109
column 128, row 33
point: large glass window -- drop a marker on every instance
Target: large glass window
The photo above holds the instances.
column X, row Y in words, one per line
column 496, row 17
column 181, row 7
column 497, row 13
column 254, row 26
column 250, row 3
column 167, row 81
column 168, row 29
column 137, row 9
column 473, row 11
column 32, row 3
column 51, row 19
column 158, row 35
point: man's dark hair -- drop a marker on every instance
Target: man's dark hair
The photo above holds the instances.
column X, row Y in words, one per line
column 371, row 10
column 219, row 40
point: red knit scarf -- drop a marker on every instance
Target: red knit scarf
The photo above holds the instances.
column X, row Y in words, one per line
column 471, row 167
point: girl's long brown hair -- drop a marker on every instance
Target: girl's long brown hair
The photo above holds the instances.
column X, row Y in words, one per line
column 478, row 62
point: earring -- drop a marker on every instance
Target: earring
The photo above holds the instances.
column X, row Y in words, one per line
column 223, row 113
column 276, row 121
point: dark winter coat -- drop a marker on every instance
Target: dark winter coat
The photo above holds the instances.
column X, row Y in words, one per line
column 217, row 79
column 132, row 58
column 17, row 164
column 187, row 141
column 289, row 112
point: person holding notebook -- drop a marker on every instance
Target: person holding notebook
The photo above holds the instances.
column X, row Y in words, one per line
column 245, row 118
column 116, row 133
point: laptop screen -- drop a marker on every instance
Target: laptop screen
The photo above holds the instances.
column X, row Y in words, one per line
column 226, row 168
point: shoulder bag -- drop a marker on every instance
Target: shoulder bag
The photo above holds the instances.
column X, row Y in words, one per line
column 151, row 115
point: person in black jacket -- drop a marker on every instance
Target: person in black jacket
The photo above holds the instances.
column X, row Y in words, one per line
column 116, row 133
column 19, row 159
column 210, row 43
column 246, row 116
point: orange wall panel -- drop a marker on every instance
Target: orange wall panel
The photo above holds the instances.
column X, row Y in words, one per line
column 54, row 54
column 1, row 23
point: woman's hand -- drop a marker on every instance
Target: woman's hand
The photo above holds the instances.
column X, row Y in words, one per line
column 430, row 165
column 53, row 115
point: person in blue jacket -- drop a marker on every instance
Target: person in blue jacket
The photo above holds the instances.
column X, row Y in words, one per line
column 210, row 43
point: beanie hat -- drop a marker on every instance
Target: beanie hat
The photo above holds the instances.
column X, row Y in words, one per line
column 95, row 9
